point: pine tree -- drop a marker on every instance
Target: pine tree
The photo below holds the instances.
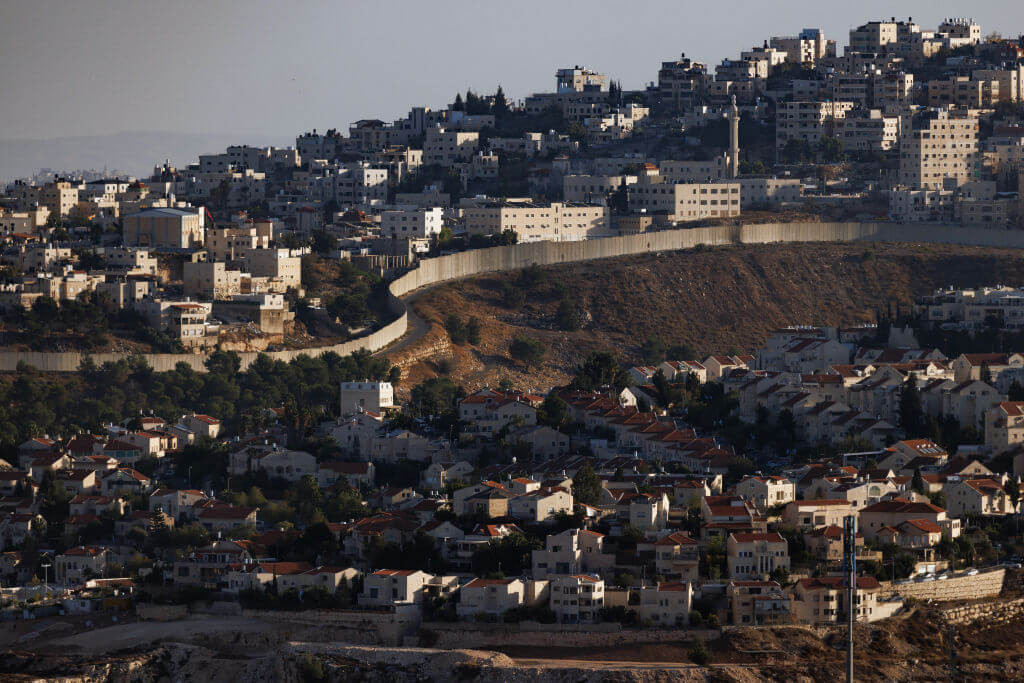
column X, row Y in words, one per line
column 157, row 525
column 917, row 483
column 457, row 105
column 586, row 486
column 911, row 413
column 500, row 107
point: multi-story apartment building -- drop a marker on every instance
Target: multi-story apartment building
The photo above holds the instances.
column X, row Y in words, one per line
column 868, row 130
column 412, row 223
column 938, row 147
column 695, row 171
column 806, row 48
column 279, row 265
column 168, row 228
column 577, row 599
column 374, row 397
column 1010, row 79
column 759, row 192
column 231, row 242
column 556, row 222
column 444, row 148
column 211, row 279
column 59, row 196
column 875, row 36
column 685, row 201
column 573, row 551
column 912, row 206
column 962, row 91
column 808, row 121
column 578, row 79
column 681, row 80
column 592, row 189
column 891, row 91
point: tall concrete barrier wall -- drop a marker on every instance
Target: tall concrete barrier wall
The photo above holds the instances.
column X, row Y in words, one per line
column 496, row 259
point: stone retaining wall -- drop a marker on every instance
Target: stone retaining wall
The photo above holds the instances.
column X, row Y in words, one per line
column 477, row 261
column 448, row 636
column 982, row 585
column 992, row 613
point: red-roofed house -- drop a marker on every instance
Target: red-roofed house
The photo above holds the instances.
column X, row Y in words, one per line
column 984, row 496
column 1004, row 426
column 390, row 587
column 823, row 600
column 572, row 551
column 677, row 555
column 766, row 492
column 826, row 543
column 666, row 604
column 75, row 565
column 577, row 599
column 490, row 598
column 125, row 480
column 174, row 502
column 970, row 365
column 905, row 456
column 540, row 505
column 488, row 410
column 203, row 426
column 96, row 505
column 756, row 555
column 355, row 474
column 328, row 578
column 720, row 366
column 914, row 534
column 227, row 517
column 892, row 513
column 78, row 481
column 679, row 370
column 811, row 514
column 758, row 603
column 258, row 575
column 35, row 448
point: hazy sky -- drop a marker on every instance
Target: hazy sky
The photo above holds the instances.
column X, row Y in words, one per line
column 91, row 67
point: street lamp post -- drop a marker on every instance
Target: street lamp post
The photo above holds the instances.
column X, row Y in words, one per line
column 46, row 564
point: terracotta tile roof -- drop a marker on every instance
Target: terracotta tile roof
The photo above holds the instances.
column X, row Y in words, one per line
column 836, row 582
column 482, row 583
column 770, row 537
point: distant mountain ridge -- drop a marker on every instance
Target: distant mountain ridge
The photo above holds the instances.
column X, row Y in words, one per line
column 133, row 151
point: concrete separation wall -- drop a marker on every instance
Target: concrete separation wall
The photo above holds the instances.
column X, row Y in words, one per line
column 496, row 259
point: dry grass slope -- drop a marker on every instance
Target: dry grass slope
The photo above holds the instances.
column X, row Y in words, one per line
column 713, row 299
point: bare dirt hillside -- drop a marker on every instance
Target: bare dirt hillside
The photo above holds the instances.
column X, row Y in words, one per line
column 712, row 299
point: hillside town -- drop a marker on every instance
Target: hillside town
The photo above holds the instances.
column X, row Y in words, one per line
column 908, row 125
column 832, row 475
column 691, row 492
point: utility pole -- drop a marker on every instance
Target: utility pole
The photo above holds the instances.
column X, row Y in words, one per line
column 850, row 565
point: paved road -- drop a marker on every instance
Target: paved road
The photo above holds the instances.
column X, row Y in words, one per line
column 418, row 327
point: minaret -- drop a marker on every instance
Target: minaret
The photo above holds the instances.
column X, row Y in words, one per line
column 734, row 139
